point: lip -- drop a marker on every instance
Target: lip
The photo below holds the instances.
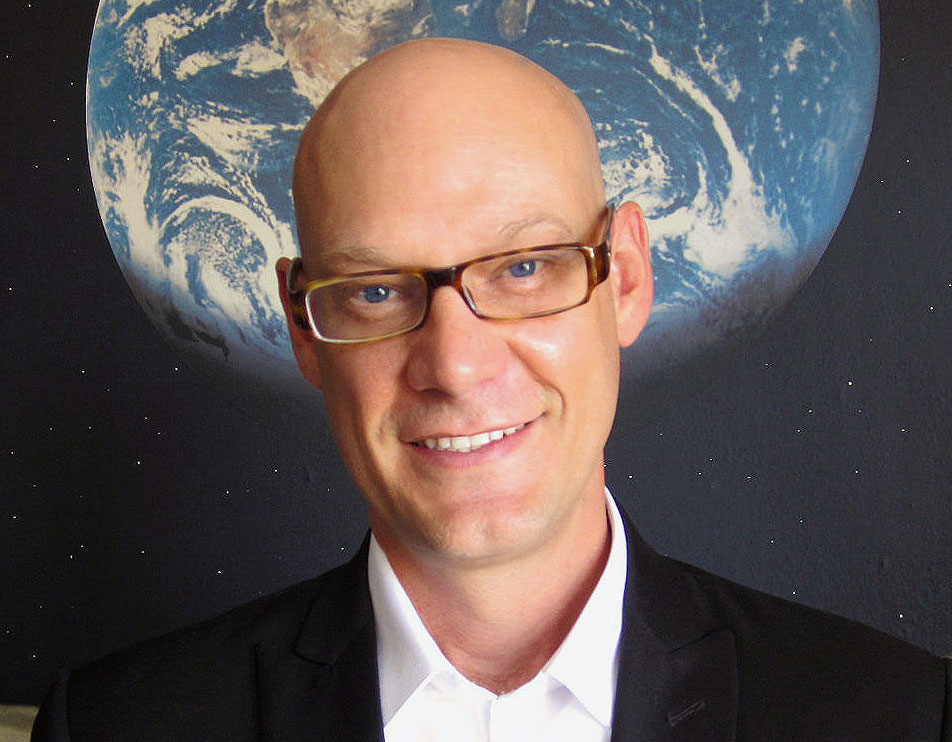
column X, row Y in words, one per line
column 457, row 459
column 465, row 442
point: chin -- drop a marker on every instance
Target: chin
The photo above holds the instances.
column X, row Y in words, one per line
column 490, row 532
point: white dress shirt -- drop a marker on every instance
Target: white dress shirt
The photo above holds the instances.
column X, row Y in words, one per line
column 423, row 698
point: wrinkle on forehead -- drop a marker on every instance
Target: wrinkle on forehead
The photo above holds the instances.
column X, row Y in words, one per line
column 430, row 99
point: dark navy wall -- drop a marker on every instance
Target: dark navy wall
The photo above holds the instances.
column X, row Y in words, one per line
column 134, row 499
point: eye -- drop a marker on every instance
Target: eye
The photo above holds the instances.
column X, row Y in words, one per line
column 375, row 294
column 523, row 269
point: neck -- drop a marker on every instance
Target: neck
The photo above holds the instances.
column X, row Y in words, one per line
column 498, row 625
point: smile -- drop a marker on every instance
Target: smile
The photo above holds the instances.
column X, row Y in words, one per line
column 468, row 443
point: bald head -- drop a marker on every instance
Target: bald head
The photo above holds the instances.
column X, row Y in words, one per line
column 434, row 154
column 446, row 121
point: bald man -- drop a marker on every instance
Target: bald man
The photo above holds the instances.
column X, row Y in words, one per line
column 460, row 301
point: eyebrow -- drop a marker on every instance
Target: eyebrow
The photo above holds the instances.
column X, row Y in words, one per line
column 353, row 254
column 513, row 229
column 375, row 257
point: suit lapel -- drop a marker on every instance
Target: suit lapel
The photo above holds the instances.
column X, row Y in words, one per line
column 326, row 688
column 677, row 676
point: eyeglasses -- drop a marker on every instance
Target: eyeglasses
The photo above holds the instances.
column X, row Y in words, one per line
column 511, row 285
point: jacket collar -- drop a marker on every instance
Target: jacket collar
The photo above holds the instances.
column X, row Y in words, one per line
column 325, row 688
column 677, row 677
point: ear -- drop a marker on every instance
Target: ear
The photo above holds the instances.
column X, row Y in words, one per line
column 303, row 342
column 631, row 278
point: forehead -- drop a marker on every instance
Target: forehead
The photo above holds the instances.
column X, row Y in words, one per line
column 434, row 168
column 447, row 200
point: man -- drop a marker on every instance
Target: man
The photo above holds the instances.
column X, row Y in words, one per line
column 461, row 302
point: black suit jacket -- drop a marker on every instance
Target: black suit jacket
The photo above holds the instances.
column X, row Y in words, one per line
column 702, row 660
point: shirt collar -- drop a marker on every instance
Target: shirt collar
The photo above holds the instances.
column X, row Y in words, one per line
column 407, row 656
column 592, row 644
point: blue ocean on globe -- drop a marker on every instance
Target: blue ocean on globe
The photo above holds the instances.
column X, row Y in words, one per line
column 738, row 125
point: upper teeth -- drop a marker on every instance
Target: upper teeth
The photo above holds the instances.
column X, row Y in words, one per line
column 467, row 443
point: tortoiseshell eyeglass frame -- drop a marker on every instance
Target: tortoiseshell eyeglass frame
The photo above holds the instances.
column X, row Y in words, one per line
column 597, row 258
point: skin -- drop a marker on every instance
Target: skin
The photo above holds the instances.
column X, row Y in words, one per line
column 432, row 153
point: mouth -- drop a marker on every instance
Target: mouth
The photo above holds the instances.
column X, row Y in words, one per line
column 467, row 443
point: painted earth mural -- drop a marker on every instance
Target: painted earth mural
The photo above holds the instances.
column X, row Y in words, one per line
column 739, row 126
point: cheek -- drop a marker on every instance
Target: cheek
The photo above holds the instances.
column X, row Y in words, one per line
column 575, row 352
column 590, row 328
column 540, row 349
column 359, row 382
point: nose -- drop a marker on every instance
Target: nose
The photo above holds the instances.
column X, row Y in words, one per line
column 454, row 351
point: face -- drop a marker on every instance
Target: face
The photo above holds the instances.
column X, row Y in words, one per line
column 543, row 391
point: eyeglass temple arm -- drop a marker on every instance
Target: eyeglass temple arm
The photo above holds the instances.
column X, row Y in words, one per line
column 603, row 258
column 295, row 297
